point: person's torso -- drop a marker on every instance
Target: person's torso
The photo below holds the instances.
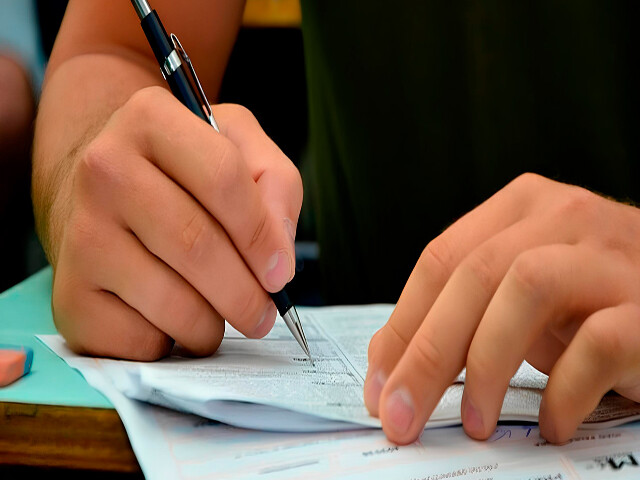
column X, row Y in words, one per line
column 421, row 110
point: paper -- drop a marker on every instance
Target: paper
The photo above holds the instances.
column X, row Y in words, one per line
column 173, row 445
column 269, row 384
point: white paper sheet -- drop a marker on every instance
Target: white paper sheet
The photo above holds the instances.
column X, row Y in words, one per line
column 174, row 445
column 269, row 384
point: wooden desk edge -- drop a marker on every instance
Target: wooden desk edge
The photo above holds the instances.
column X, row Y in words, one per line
column 64, row 437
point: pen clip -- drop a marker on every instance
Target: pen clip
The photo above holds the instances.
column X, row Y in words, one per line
column 203, row 97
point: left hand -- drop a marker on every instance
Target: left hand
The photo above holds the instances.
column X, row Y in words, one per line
column 541, row 271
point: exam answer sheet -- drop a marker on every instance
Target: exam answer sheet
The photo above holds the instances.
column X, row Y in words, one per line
column 269, row 384
column 171, row 444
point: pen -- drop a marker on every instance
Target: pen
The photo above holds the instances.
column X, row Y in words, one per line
column 186, row 87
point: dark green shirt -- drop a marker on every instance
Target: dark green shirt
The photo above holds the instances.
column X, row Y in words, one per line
column 420, row 110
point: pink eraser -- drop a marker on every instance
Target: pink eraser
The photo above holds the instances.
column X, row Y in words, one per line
column 15, row 361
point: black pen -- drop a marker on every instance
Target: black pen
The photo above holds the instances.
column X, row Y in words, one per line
column 186, row 87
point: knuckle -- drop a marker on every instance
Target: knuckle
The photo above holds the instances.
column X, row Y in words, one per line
column 226, row 172
column 578, row 203
column 429, row 357
column 240, row 113
column 480, row 365
column 481, row 266
column 98, row 166
column 142, row 105
column 524, row 192
column 261, row 232
column 529, row 274
column 527, row 182
column 391, row 329
column 198, row 239
column 602, row 340
column 437, row 259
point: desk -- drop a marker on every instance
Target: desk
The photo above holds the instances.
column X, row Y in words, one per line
column 52, row 417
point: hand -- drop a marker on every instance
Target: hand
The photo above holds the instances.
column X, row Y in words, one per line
column 541, row 271
column 169, row 228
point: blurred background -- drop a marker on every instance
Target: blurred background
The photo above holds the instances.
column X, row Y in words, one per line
column 265, row 73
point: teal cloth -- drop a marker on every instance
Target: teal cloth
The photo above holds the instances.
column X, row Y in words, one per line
column 419, row 111
column 25, row 311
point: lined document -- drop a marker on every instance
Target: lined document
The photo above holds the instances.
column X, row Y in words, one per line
column 269, row 384
column 170, row 444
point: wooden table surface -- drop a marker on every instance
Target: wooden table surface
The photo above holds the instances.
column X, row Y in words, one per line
column 64, row 437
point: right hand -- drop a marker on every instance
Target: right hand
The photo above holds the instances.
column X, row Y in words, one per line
column 169, row 228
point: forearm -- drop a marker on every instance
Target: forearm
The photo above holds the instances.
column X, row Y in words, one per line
column 78, row 99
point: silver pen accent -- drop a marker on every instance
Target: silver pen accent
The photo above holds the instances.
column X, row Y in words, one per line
column 142, row 8
column 293, row 322
column 290, row 316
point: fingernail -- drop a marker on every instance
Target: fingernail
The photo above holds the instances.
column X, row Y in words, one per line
column 472, row 419
column 372, row 391
column 400, row 411
column 265, row 324
column 279, row 270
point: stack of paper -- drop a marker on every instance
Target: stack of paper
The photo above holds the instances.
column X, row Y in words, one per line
column 269, row 384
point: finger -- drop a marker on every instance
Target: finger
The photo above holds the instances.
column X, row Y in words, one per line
column 277, row 177
column 434, row 356
column 544, row 288
column 159, row 294
column 527, row 196
column 212, row 169
column 96, row 322
column 437, row 352
column 604, row 353
column 175, row 228
column 461, row 304
column 434, row 268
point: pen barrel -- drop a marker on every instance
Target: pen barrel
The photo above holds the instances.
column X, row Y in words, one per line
column 282, row 301
column 179, row 82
